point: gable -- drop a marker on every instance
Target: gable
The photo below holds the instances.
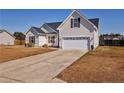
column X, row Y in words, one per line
column 35, row 31
column 83, row 21
column 95, row 21
column 6, row 37
column 6, row 33
column 31, row 33
column 54, row 25
column 50, row 27
column 47, row 29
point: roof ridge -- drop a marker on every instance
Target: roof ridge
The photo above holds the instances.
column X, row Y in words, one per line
column 54, row 22
column 34, row 27
column 93, row 18
column 85, row 18
column 50, row 27
column 3, row 30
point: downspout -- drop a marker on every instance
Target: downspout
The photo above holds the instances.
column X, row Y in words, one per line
column 93, row 39
column 58, row 39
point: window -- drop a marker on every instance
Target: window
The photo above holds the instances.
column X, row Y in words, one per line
column 75, row 38
column 31, row 39
column 75, row 22
column 51, row 39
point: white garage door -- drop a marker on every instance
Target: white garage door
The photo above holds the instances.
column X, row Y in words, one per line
column 75, row 43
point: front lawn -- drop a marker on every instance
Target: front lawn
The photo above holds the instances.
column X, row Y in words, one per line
column 105, row 64
column 8, row 53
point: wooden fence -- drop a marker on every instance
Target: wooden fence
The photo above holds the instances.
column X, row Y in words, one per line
column 19, row 42
column 112, row 42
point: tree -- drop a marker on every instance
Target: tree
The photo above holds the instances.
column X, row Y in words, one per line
column 117, row 35
column 19, row 35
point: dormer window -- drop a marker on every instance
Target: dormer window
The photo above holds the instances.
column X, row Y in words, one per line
column 75, row 22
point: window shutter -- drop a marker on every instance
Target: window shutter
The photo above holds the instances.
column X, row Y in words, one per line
column 71, row 23
column 78, row 22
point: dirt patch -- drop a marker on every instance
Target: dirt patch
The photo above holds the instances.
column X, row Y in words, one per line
column 105, row 64
column 8, row 53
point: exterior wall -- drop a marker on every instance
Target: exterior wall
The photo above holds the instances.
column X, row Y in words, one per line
column 31, row 34
column 42, row 40
column 56, row 40
column 83, row 31
column 96, row 39
column 6, row 39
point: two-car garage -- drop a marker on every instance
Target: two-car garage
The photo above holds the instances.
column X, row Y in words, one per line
column 81, row 43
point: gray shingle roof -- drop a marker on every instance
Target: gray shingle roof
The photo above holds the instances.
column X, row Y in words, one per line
column 54, row 25
column 50, row 27
column 95, row 21
column 3, row 30
column 47, row 29
column 37, row 29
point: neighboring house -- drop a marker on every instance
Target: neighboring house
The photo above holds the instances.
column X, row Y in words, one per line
column 111, row 40
column 75, row 32
column 6, row 38
column 121, row 37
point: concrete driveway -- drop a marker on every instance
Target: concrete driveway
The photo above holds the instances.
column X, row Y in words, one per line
column 39, row 68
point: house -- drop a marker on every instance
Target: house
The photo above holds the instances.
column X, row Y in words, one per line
column 6, row 38
column 46, row 34
column 111, row 40
column 109, row 37
column 75, row 32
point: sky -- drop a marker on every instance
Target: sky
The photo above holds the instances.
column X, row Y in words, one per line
column 19, row 20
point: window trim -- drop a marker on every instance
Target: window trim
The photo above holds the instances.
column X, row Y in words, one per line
column 51, row 39
column 32, row 39
column 75, row 38
column 75, row 22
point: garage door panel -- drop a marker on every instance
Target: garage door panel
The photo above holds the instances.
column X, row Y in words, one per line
column 75, row 43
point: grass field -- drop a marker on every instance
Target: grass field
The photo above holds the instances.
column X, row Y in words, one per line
column 105, row 64
column 8, row 53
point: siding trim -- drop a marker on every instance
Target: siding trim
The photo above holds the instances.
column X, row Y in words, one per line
column 80, row 15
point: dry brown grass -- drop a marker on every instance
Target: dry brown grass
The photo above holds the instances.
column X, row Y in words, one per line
column 105, row 64
column 14, row 52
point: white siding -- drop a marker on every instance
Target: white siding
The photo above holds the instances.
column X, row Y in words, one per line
column 96, row 39
column 27, row 36
column 6, row 39
column 56, row 40
column 31, row 34
column 42, row 40
column 83, row 31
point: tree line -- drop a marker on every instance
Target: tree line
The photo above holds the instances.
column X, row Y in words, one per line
column 111, row 40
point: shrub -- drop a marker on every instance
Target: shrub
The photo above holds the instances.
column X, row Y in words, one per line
column 29, row 45
column 45, row 45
